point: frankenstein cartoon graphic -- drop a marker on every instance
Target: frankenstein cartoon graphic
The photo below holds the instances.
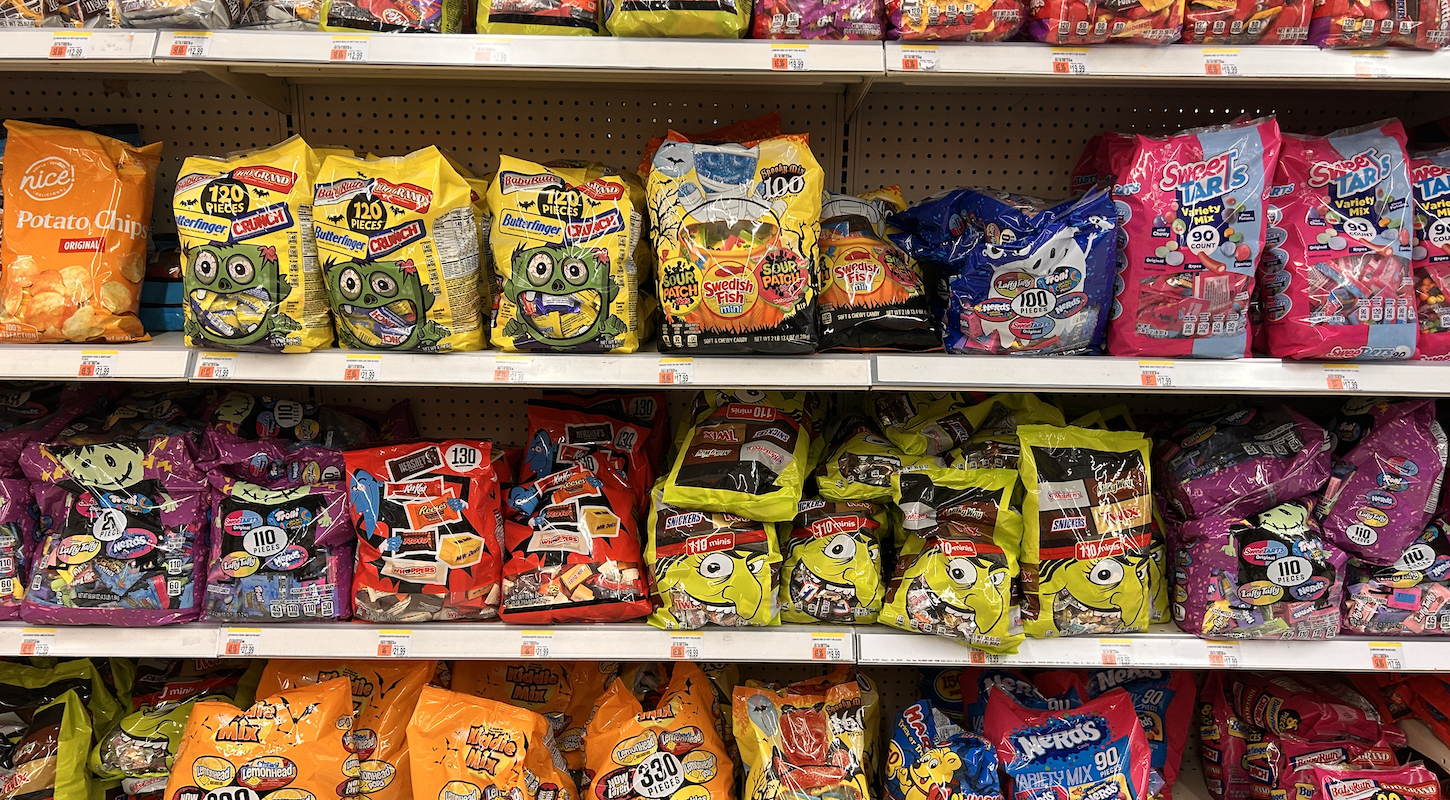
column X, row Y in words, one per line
column 382, row 305
column 233, row 291
column 726, row 583
column 562, row 295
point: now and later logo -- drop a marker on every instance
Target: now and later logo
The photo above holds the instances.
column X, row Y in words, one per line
column 1353, row 174
column 1060, row 736
column 1205, row 180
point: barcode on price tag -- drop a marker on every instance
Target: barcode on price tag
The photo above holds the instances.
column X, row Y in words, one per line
column 827, row 646
column 677, row 371
column 920, row 58
column 1155, row 374
column 1386, row 656
column 349, row 49
column 239, row 642
column 365, row 369
column 1371, row 64
column 1069, row 61
column 190, row 45
column 511, row 369
column 1221, row 63
column 97, row 364
column 1342, row 378
column 686, row 645
column 1223, row 654
column 1116, row 652
column 536, row 644
column 790, row 57
column 70, row 45
column 493, row 51
column 216, row 366
column 37, row 641
column 395, row 644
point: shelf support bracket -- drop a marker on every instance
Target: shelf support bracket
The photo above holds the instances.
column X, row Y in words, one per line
column 855, row 93
column 265, row 89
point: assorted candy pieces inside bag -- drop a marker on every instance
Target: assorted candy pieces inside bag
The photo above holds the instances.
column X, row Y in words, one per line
column 74, row 284
column 954, row 573
column 1430, row 182
column 394, row 16
column 1087, row 518
column 712, row 567
column 1339, row 285
column 713, row 19
column 571, row 551
column 282, row 15
column 604, row 439
column 831, row 562
column 735, row 229
column 860, row 462
column 295, row 740
column 943, row 20
column 926, row 423
column 17, row 532
column 564, row 692
column 547, row 17
column 1192, row 210
column 1164, row 700
column 251, row 275
column 279, row 555
column 399, row 249
column 469, row 748
column 127, row 550
column 1246, row 21
column 49, row 717
column 1154, row 22
column 802, row 741
column 1095, row 751
column 874, row 296
column 563, row 242
column 748, row 459
column 1408, row 598
column 429, row 532
column 178, row 14
column 1273, row 575
column 930, row 756
column 816, row 19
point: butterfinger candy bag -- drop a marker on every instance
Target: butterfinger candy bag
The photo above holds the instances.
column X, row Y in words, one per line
column 954, row 574
column 1340, row 285
column 735, row 231
column 1430, row 181
column 563, row 243
column 971, row 21
column 75, row 232
column 666, row 748
column 931, row 756
column 469, row 748
column 1089, row 22
column 384, row 695
column 1408, row 598
column 1192, row 209
column 802, row 741
column 926, row 423
column 832, row 563
column 1164, row 700
column 428, row 526
column 294, row 740
column 399, row 249
column 1087, row 531
column 564, row 692
column 742, row 458
column 1094, row 751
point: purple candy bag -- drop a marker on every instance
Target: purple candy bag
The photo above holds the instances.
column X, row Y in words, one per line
column 1271, row 576
column 129, row 527
column 1382, row 493
column 1242, row 462
column 16, row 529
column 272, row 463
column 818, row 19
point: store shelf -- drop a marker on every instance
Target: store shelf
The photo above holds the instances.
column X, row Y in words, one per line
column 75, row 50
column 164, row 358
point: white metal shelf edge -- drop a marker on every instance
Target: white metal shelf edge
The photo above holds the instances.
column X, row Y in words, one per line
column 164, row 358
column 38, row 45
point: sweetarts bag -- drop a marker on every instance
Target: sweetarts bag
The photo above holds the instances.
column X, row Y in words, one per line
column 1383, row 491
column 1165, row 704
column 735, row 230
column 1239, row 22
column 1430, row 182
column 1192, row 210
column 1415, row 781
column 1242, row 461
column 1271, row 576
column 1096, row 750
column 813, row 19
column 831, row 562
column 1339, row 286
column 1408, row 598
column 971, row 21
column 931, row 756
column 250, row 269
column 129, row 551
column 564, row 692
column 1086, row 22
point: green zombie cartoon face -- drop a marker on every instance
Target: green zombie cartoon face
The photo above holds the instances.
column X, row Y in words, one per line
column 380, row 305
column 105, row 467
column 233, row 292
column 562, row 294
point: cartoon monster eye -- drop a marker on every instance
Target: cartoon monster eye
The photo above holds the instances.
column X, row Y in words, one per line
column 962, row 572
column 716, row 566
column 540, row 267
column 350, row 283
column 574, row 271
column 841, row 547
column 384, row 285
column 998, row 578
column 1106, row 573
column 755, row 566
column 240, row 269
column 205, row 266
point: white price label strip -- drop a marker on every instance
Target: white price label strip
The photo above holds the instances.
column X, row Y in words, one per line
column 1386, row 656
column 920, row 58
column 685, row 645
column 790, row 57
column 190, row 45
column 70, row 45
column 349, row 49
column 828, row 646
column 97, row 364
column 536, row 644
column 216, row 366
column 1224, row 654
column 363, row 369
column 511, row 369
column 493, row 51
column 1116, row 652
column 37, row 641
column 1342, row 378
column 395, row 644
column 239, row 642
column 1221, row 63
column 1069, row 61
column 677, row 371
column 1155, row 374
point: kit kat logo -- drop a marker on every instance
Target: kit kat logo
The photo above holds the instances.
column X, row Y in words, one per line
column 1352, row 175
column 1205, row 180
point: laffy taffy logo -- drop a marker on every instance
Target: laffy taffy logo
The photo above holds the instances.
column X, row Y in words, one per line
column 1204, row 180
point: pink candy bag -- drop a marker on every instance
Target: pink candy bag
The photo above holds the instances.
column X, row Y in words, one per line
column 1191, row 211
column 1430, row 183
column 1414, row 782
column 1283, row 706
column 1336, row 275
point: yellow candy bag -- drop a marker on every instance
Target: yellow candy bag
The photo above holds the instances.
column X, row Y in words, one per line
column 539, row 17
column 954, row 573
column 291, row 741
column 861, row 462
column 831, row 563
column 470, row 748
column 1088, row 520
column 478, row 197
column 399, row 246
column 804, row 741
column 994, row 444
column 749, row 459
column 564, row 692
column 926, row 423
column 564, row 241
column 384, row 694
column 721, row 19
column 250, row 266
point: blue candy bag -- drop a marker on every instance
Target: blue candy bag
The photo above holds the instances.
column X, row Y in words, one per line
column 931, row 758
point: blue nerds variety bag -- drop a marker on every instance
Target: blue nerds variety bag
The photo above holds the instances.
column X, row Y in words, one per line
column 1164, row 701
column 931, row 757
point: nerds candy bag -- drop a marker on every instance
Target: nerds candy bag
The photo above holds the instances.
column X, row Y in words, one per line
column 1096, row 751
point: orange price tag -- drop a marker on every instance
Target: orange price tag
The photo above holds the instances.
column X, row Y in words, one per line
column 790, row 57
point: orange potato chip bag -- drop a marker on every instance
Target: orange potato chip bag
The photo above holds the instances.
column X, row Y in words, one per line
column 564, row 692
column 469, row 748
column 292, row 740
column 74, row 245
column 384, row 694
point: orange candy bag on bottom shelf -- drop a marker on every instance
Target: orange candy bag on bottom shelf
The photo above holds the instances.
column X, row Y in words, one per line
column 74, row 245
column 384, row 694
column 668, row 751
column 564, row 692
column 470, row 748
column 292, row 740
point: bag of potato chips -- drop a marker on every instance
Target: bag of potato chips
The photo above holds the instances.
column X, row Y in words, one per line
column 469, row 748
column 565, row 692
column 399, row 247
column 78, row 211
column 295, row 740
column 563, row 242
column 250, row 263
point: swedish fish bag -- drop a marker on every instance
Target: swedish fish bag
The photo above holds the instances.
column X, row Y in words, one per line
column 399, row 247
column 251, row 275
column 469, row 748
column 669, row 751
column 563, row 241
column 292, row 741
column 564, row 692
column 954, row 574
column 735, row 230
column 384, row 694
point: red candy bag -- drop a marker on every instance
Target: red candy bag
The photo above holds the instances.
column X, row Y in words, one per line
column 560, row 436
column 429, row 532
column 1430, row 254
column 1095, row 751
column 1415, row 782
column 1418, row 24
column 1094, row 22
column 644, row 408
column 1164, row 702
column 954, row 20
column 1285, row 707
column 1286, row 771
column 1239, row 22
column 1226, row 739
column 1336, row 273
column 1191, row 211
